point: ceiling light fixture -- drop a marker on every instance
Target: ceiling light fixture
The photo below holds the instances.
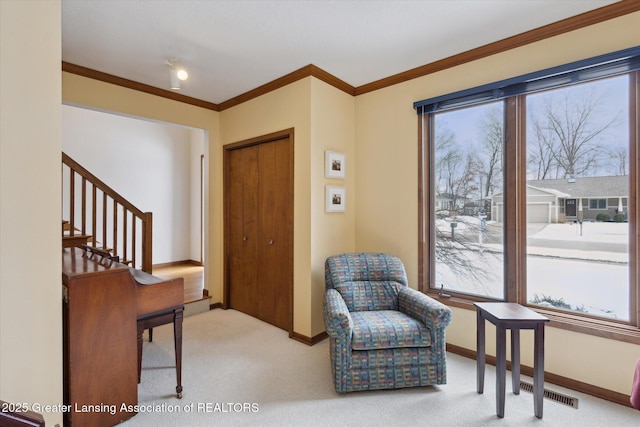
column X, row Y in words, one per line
column 176, row 74
column 182, row 74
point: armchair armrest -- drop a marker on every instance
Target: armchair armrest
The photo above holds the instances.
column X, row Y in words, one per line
column 337, row 320
column 432, row 313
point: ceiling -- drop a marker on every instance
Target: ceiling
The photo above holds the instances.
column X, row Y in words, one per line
column 231, row 47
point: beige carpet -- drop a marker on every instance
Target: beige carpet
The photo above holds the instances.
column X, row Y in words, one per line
column 239, row 371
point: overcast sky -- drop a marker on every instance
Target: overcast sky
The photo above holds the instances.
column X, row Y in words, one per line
column 466, row 123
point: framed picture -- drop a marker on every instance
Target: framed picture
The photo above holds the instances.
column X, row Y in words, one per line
column 335, row 199
column 334, row 164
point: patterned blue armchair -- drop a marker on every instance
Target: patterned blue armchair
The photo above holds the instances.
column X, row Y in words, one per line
column 382, row 333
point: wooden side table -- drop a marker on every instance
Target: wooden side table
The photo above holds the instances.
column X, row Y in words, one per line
column 506, row 315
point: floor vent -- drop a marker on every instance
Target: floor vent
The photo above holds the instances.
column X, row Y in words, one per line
column 552, row 395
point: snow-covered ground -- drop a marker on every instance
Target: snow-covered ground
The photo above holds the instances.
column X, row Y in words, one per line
column 565, row 263
column 597, row 288
column 592, row 235
column 597, row 232
column 595, row 281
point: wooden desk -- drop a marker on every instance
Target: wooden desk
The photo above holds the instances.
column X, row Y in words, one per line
column 107, row 305
column 99, row 325
column 506, row 315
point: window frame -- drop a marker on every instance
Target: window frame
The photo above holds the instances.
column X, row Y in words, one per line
column 515, row 247
column 598, row 208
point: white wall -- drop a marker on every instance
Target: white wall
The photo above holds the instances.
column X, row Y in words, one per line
column 149, row 164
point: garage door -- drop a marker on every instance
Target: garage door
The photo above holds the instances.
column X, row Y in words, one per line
column 538, row 213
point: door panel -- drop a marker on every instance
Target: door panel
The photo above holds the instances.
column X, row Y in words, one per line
column 275, row 227
column 243, row 229
column 570, row 209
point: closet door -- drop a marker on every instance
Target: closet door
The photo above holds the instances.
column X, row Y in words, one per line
column 259, row 230
column 275, row 231
column 242, row 229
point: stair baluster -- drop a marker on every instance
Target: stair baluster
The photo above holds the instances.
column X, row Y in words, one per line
column 118, row 230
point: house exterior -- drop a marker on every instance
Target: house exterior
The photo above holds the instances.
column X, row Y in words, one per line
column 570, row 199
column 444, row 202
column 450, row 204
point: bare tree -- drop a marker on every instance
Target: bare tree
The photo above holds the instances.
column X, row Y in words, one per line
column 466, row 186
column 569, row 128
column 492, row 131
column 541, row 161
column 448, row 159
column 621, row 159
column 449, row 164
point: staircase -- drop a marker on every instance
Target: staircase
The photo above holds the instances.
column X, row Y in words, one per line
column 76, row 239
column 100, row 217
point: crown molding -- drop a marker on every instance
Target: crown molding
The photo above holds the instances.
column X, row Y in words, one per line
column 307, row 71
column 573, row 23
column 130, row 84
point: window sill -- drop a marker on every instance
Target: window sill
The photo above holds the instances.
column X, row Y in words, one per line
column 562, row 320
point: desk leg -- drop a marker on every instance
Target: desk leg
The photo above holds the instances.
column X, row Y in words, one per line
column 538, row 370
column 177, row 338
column 501, row 368
column 515, row 360
column 480, row 352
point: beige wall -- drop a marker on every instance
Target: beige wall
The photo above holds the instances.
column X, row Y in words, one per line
column 322, row 117
column 386, row 150
column 285, row 108
column 30, row 144
column 332, row 128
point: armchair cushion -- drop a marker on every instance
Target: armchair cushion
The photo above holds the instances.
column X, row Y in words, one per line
column 369, row 295
column 384, row 329
column 362, row 267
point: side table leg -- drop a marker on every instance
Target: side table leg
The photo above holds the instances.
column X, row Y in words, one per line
column 538, row 370
column 480, row 352
column 515, row 360
column 501, row 368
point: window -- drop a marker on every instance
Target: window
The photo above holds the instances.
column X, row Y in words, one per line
column 578, row 144
column 468, row 171
column 528, row 193
column 597, row 203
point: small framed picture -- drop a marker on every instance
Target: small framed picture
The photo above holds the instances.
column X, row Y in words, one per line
column 334, row 164
column 335, row 199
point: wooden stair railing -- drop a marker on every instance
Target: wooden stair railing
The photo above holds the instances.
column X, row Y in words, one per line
column 106, row 216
